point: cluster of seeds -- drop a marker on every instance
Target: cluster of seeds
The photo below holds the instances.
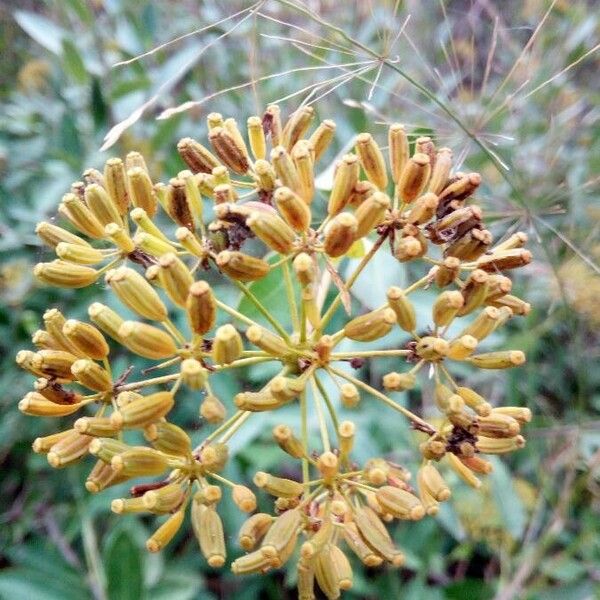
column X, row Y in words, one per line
column 256, row 195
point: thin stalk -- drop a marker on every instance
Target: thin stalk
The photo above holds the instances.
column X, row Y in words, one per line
column 363, row 263
column 234, row 428
column 234, row 313
column 223, row 427
column 154, row 381
column 365, row 386
column 368, row 354
column 328, row 403
column 170, row 327
column 291, row 296
column 222, row 479
column 321, row 417
column 261, row 308
column 304, row 436
column 244, row 362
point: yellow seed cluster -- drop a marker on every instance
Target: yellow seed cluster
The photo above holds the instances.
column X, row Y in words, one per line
column 243, row 207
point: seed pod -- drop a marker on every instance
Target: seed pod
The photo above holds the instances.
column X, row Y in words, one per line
column 485, row 322
column 286, row 388
column 272, row 123
column 76, row 253
column 498, row 425
column 401, row 305
column 516, row 240
column 52, row 235
column 447, row 272
column 96, row 426
column 101, row 477
column 282, row 532
column 53, row 364
column 474, row 291
column 193, row 374
column 408, row 248
column 302, row 157
column 120, row 237
column 208, row 528
column 213, row 410
column 141, row 191
column 36, row 405
column 244, row 498
column 375, row 534
column 168, row 438
column 106, row 448
column 86, row 339
column 136, row 293
column 305, row 269
column 398, row 149
column 516, row 305
column 503, row 359
column 414, row 177
column 358, row 545
column 146, row 340
column 441, row 170
column 166, row 532
column 123, row 506
column 91, row 375
column 190, row 242
column 25, row 360
column 504, row 259
column 201, row 307
column 431, row 348
column 267, row 341
column 474, row 401
column 462, row 347
column 141, row 218
column 293, row 209
column 498, row 287
column 143, row 411
column 433, row 449
column 164, row 499
column 340, row 234
column 232, row 128
column 371, row 213
column 371, row 160
column 116, row 183
column 371, row 326
column 214, row 457
column 286, row 169
column 433, row 483
column 328, row 465
column 400, row 503
column 446, row 307
column 288, row 442
column 423, row 209
column 106, row 318
column 214, row 119
column 260, row 401
column 446, row 400
column 101, row 204
column 139, row 462
column 43, row 340
column 81, row 216
column 477, row 464
column 277, row 486
column 242, row 267
column 296, row 126
column 42, row 445
column 488, row 445
column 69, row 449
column 227, row 345
column 321, row 138
column 207, row 495
column 272, row 230
column 265, row 175
column 459, row 188
column 399, row 382
column 344, row 180
column 229, row 149
column 197, row 157
column 256, row 136
column 178, row 205
column 176, row 278
column 253, row 530
column 65, row 274
column 254, row 562
column 519, row 413
column 349, row 395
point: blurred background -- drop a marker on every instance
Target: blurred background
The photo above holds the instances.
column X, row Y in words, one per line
column 512, row 86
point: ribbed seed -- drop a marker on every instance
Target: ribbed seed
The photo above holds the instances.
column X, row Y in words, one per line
column 256, row 136
column 272, row 230
column 431, row 348
column 106, row 319
column 227, row 345
column 371, row 160
column 340, row 234
column 423, row 209
column 91, row 375
column 504, row 359
column 398, row 149
column 116, row 183
column 344, row 180
column 213, row 410
column 321, row 138
column 168, row 438
column 446, row 307
column 253, row 530
column 267, row 341
column 36, row 405
column 143, row 410
column 166, row 532
column 462, row 347
column 302, row 157
column 175, row 278
column 101, row 477
column 286, row 169
column 296, row 126
column 196, row 156
column 229, row 150
column 371, row 213
column 52, row 235
column 244, row 498
column 139, row 462
column 447, row 272
column 102, row 205
column 76, row 253
column 201, row 307
column 288, row 442
column 60, row 273
column 81, row 216
column 164, row 499
column 414, row 177
column 399, row 382
column 293, row 209
column 69, row 449
column 277, row 486
column 402, row 306
column 242, row 267
column 146, row 340
column 136, row 293
column 281, row 533
column 209, row 532
column 96, row 426
column 441, row 170
column 371, row 326
column 141, row 190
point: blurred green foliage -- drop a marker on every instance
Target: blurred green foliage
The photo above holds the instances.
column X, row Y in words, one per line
column 533, row 531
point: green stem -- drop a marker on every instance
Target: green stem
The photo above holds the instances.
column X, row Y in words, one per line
column 320, row 417
column 304, row 436
column 291, row 296
column 328, row 403
column 154, row 381
column 233, row 429
column 371, row 390
column 234, row 313
column 170, row 327
column 368, row 354
column 244, row 362
column 223, row 427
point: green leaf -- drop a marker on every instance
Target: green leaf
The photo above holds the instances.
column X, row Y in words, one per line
column 73, row 62
column 29, row 583
column 178, row 585
column 123, row 565
column 42, row 30
column 508, row 503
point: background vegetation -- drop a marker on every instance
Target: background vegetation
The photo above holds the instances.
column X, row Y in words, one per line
column 513, row 85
